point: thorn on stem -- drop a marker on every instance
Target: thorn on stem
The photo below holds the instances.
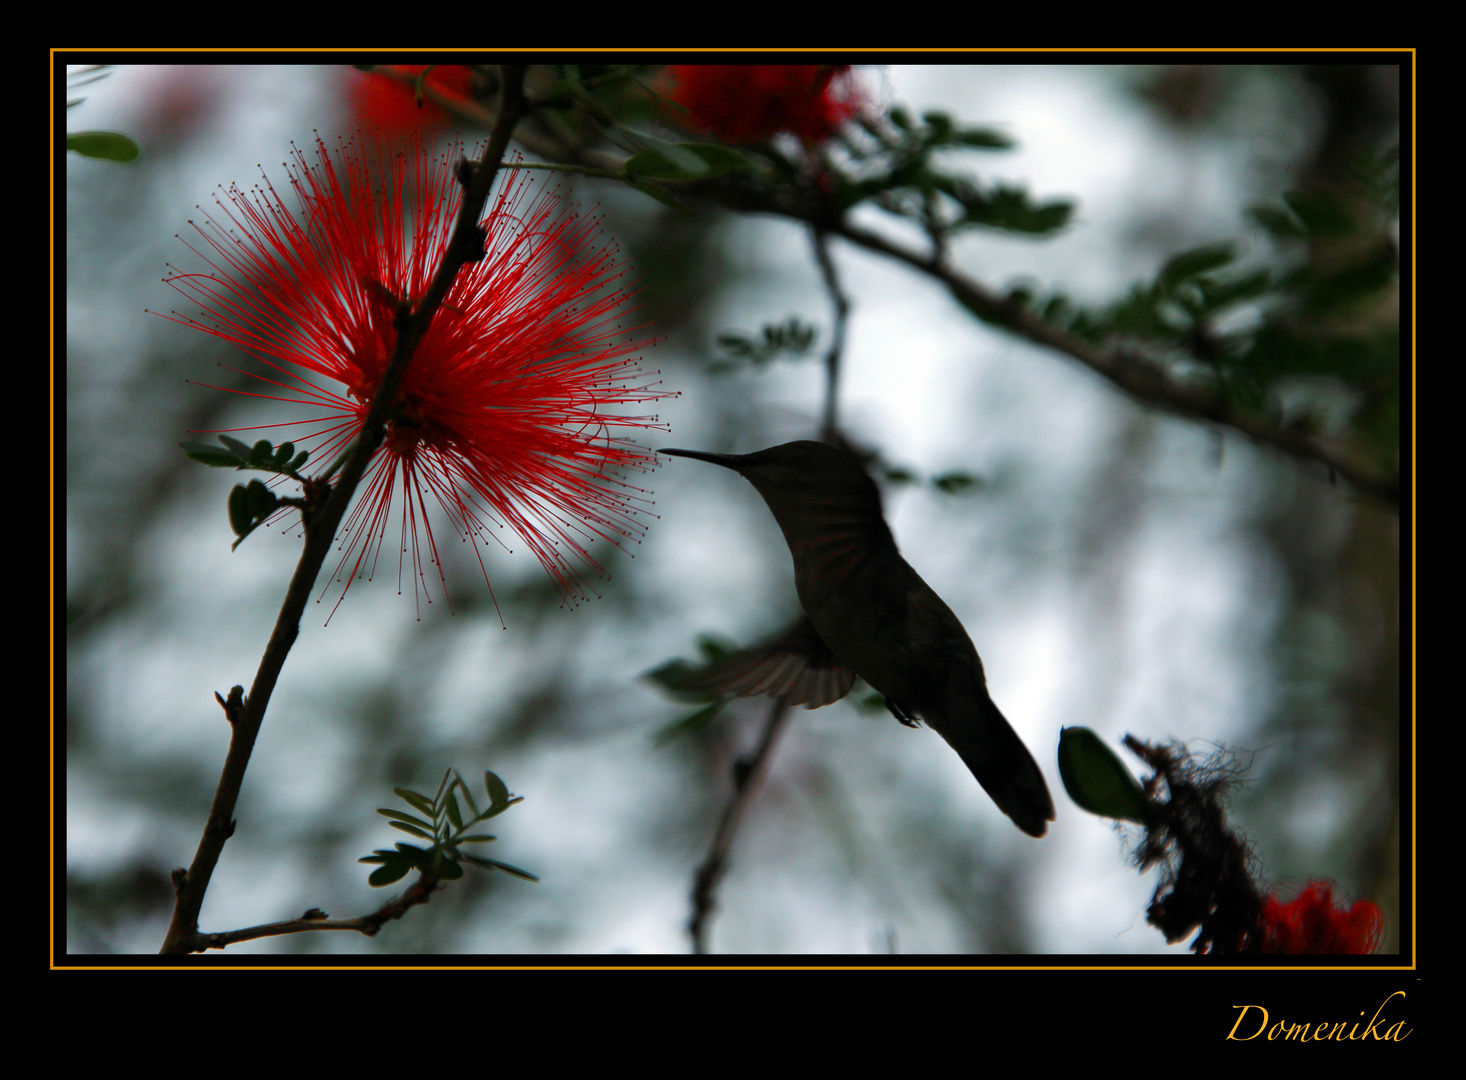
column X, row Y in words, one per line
column 233, row 706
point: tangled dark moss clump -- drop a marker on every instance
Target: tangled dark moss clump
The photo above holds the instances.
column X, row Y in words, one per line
column 1207, row 874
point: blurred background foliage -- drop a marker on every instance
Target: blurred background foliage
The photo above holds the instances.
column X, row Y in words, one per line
column 1119, row 567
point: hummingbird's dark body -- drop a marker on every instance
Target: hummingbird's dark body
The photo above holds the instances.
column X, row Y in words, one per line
column 879, row 619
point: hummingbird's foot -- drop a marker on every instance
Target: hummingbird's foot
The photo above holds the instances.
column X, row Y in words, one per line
column 902, row 715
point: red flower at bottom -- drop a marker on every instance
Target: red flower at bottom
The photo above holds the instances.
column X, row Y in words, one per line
column 1311, row 924
column 745, row 103
column 509, row 414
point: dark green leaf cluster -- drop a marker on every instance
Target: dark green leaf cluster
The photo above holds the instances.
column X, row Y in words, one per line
column 250, row 505
column 234, row 454
column 1191, row 290
column 1351, row 261
column 673, row 677
column 952, row 482
column 791, row 339
column 441, row 822
column 1324, row 308
column 936, row 130
column 893, row 163
column 902, row 173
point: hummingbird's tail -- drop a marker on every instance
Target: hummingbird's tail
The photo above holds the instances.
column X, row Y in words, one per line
column 1003, row 766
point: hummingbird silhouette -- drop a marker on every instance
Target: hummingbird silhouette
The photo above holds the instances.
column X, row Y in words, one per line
column 868, row 613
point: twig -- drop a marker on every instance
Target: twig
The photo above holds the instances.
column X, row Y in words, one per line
column 837, row 338
column 420, row 892
column 1139, row 377
column 747, row 775
column 465, row 244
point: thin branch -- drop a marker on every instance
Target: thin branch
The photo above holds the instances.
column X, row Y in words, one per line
column 1131, row 372
column 748, row 774
column 464, row 245
column 420, row 892
column 1139, row 377
column 837, row 338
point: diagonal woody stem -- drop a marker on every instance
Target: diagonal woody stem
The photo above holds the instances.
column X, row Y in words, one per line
column 246, row 718
column 747, row 777
column 838, row 300
column 420, row 892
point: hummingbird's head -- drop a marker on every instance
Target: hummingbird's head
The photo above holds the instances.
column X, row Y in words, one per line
column 792, row 464
column 799, row 478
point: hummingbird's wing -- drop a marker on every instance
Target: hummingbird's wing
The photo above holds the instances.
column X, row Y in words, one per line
column 796, row 665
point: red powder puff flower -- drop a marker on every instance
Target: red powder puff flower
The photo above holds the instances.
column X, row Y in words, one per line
column 1311, row 924
column 509, row 411
column 387, row 103
column 746, row 103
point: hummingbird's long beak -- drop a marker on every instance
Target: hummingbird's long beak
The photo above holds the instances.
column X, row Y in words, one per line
column 728, row 461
